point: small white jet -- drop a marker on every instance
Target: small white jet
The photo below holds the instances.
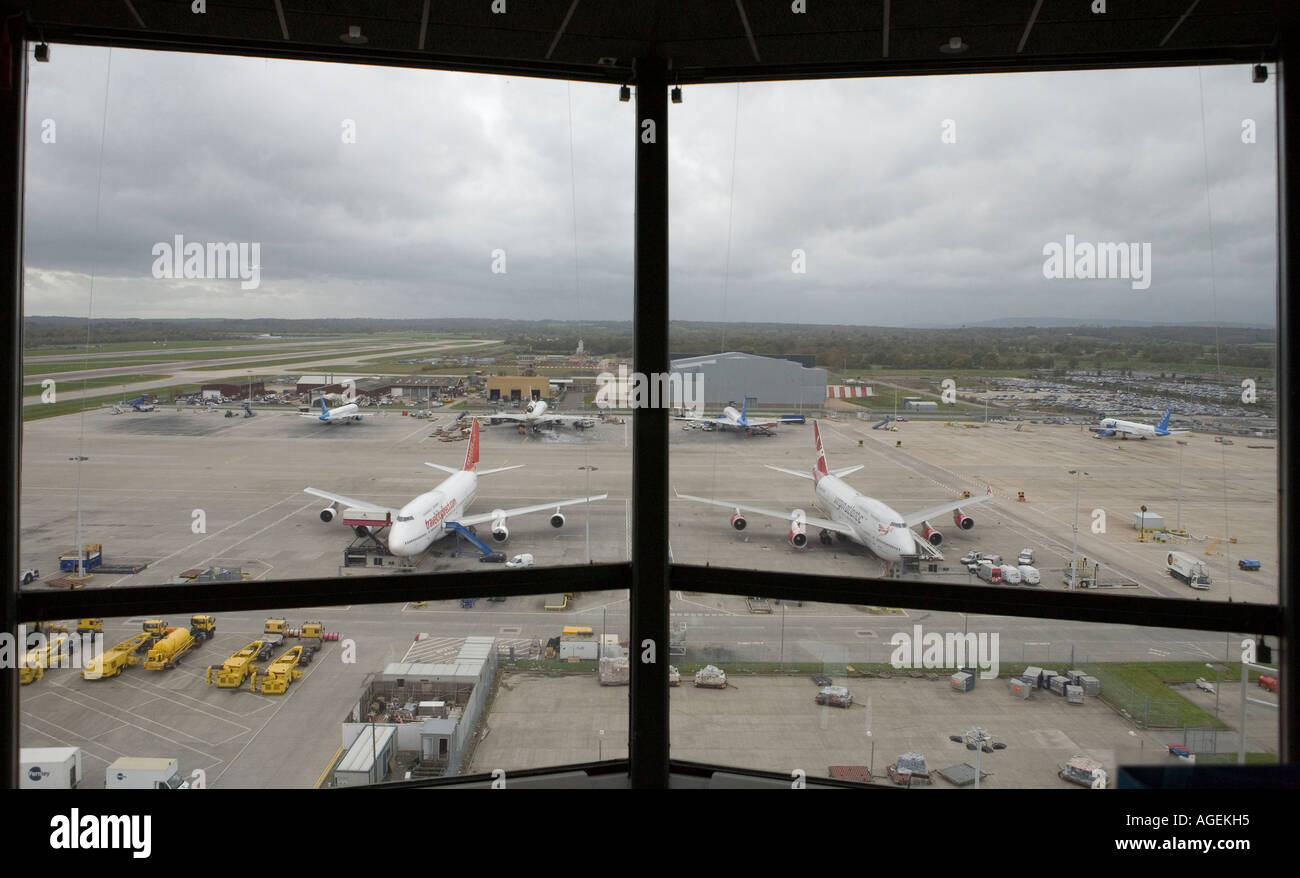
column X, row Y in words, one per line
column 535, row 417
column 730, row 420
column 862, row 519
column 1115, row 428
column 349, row 412
column 438, row 513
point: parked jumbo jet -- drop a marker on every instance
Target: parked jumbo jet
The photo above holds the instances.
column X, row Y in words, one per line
column 534, row 415
column 1113, row 427
column 349, row 412
column 731, row 420
column 437, row 513
column 862, row 519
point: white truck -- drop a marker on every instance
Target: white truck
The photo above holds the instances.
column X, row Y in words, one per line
column 1189, row 569
column 1029, row 575
column 145, row 773
column 49, row 768
column 1010, row 574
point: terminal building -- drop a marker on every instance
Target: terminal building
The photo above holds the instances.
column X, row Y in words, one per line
column 733, row 377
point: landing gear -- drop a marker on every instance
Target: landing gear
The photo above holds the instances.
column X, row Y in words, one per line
column 826, row 538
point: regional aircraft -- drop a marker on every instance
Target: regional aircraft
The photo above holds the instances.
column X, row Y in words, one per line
column 349, row 412
column 534, row 415
column 437, row 513
column 1113, row 427
column 857, row 517
column 731, row 420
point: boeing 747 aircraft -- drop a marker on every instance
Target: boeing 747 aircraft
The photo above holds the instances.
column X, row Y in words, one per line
column 862, row 519
column 437, row 513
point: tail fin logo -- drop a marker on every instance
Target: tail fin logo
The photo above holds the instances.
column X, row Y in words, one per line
column 819, row 468
column 471, row 453
column 324, row 409
column 1163, row 426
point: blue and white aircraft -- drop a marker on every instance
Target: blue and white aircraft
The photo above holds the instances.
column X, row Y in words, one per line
column 1113, row 428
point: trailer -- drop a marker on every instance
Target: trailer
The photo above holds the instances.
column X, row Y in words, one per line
column 115, row 660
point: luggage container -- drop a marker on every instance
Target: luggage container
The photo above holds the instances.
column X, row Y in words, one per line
column 1020, row 688
column 1058, row 684
column 1074, row 694
column 963, row 682
column 1091, row 685
column 1033, row 676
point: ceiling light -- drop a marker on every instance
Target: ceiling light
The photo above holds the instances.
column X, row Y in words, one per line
column 677, row 94
column 953, row 46
column 625, row 93
column 353, row 36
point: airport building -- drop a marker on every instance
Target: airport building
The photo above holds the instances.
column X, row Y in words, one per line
column 766, row 381
column 516, row 387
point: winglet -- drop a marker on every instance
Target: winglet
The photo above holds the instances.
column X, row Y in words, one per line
column 819, row 468
column 471, row 453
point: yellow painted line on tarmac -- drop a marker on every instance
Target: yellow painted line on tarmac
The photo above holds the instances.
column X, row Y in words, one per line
column 333, row 759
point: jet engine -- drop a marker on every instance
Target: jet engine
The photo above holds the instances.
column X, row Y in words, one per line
column 327, row 514
column 738, row 521
column 499, row 531
column 557, row 520
column 963, row 521
column 932, row 536
column 798, row 534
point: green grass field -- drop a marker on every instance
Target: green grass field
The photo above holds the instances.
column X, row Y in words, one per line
column 78, row 384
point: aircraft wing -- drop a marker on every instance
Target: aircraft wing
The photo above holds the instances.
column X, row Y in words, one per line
column 351, row 503
column 783, row 515
column 503, row 416
column 916, row 518
column 717, row 422
column 484, row 517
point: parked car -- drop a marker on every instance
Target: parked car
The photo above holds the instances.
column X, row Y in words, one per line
column 524, row 560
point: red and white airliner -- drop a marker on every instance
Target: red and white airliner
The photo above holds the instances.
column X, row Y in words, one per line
column 860, row 518
column 434, row 514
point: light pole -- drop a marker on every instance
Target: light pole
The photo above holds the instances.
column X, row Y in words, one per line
column 977, row 740
column 782, row 658
column 1074, row 553
column 600, row 746
column 81, row 555
column 1218, row 669
column 1182, row 443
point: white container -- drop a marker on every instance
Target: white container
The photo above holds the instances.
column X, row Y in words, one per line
column 49, row 768
column 1010, row 575
column 1029, row 575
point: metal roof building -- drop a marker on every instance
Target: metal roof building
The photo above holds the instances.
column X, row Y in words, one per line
column 734, row 377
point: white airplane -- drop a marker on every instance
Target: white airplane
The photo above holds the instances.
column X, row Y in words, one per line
column 862, row 519
column 438, row 513
column 1113, row 427
column 349, row 412
column 535, row 416
column 730, row 420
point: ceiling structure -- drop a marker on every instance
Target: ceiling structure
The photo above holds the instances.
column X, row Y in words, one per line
column 702, row 40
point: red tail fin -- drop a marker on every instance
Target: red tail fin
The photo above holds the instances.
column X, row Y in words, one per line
column 471, row 453
column 819, row 468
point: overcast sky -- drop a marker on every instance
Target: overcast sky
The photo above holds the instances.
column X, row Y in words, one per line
column 897, row 227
